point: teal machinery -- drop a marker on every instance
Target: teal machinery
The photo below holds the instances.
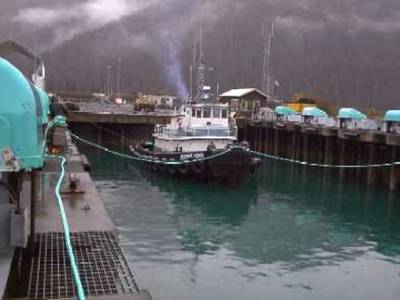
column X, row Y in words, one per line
column 24, row 110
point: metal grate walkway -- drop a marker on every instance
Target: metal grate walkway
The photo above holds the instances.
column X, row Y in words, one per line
column 102, row 267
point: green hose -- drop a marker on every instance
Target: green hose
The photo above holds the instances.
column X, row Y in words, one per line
column 67, row 235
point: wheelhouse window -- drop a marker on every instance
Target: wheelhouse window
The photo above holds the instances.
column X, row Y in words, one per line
column 207, row 112
column 198, row 113
column 216, row 112
column 224, row 114
column 193, row 112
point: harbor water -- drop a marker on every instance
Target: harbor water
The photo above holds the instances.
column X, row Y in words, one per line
column 288, row 233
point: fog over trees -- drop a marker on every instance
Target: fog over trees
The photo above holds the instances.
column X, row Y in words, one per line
column 343, row 50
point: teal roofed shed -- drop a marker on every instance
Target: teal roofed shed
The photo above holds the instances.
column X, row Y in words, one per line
column 351, row 113
column 284, row 110
column 314, row 112
column 392, row 116
column 21, row 117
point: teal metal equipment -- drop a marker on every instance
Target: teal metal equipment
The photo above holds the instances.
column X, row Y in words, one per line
column 23, row 116
column 45, row 102
column 351, row 113
column 314, row 112
column 392, row 116
column 284, row 110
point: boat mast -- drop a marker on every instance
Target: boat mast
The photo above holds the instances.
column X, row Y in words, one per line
column 266, row 80
column 201, row 66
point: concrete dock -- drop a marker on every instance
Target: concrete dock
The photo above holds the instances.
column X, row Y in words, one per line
column 115, row 125
column 103, row 268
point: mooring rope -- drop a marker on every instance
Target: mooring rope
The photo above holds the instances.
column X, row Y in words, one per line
column 151, row 160
column 310, row 164
column 255, row 153
column 67, row 233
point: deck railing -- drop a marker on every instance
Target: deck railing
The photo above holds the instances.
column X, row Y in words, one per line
column 204, row 131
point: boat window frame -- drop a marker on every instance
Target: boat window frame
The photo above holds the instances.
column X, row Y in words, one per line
column 198, row 113
column 208, row 115
column 224, row 113
column 218, row 109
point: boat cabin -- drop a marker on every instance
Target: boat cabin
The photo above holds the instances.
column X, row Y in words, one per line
column 392, row 121
column 195, row 128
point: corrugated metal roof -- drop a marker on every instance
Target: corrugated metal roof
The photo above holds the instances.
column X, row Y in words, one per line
column 314, row 112
column 238, row 93
column 284, row 110
column 351, row 113
column 392, row 116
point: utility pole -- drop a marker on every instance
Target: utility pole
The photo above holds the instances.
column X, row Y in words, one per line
column 266, row 80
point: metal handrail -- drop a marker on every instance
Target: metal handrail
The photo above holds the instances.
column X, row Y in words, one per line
column 204, row 131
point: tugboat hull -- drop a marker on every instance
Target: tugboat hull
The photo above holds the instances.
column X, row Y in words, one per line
column 229, row 167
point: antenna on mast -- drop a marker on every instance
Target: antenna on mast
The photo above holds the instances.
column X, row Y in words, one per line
column 201, row 66
column 193, row 69
column 267, row 32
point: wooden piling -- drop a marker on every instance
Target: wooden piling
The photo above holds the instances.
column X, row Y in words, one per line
column 394, row 172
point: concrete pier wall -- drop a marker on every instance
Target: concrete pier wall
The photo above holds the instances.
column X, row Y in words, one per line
column 328, row 146
column 324, row 145
column 117, row 136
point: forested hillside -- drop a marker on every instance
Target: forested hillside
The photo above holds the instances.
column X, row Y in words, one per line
column 347, row 51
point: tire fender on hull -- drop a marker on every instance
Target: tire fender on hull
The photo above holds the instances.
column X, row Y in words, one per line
column 198, row 168
column 183, row 169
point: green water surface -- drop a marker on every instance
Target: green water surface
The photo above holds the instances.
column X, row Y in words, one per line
column 286, row 234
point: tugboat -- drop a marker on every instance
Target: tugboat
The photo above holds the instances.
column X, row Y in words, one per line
column 201, row 143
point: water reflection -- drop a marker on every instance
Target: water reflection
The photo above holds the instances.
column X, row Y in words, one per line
column 289, row 233
column 291, row 216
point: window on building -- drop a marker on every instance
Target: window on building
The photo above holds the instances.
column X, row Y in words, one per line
column 234, row 104
column 198, row 113
column 193, row 112
column 224, row 114
column 249, row 105
column 242, row 105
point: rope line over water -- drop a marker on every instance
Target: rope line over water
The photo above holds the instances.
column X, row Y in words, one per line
column 255, row 153
column 332, row 166
column 67, row 234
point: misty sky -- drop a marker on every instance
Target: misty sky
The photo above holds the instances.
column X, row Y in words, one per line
column 22, row 18
column 346, row 47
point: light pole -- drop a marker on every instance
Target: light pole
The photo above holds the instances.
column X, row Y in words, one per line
column 108, row 69
column 119, row 77
column 191, row 82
